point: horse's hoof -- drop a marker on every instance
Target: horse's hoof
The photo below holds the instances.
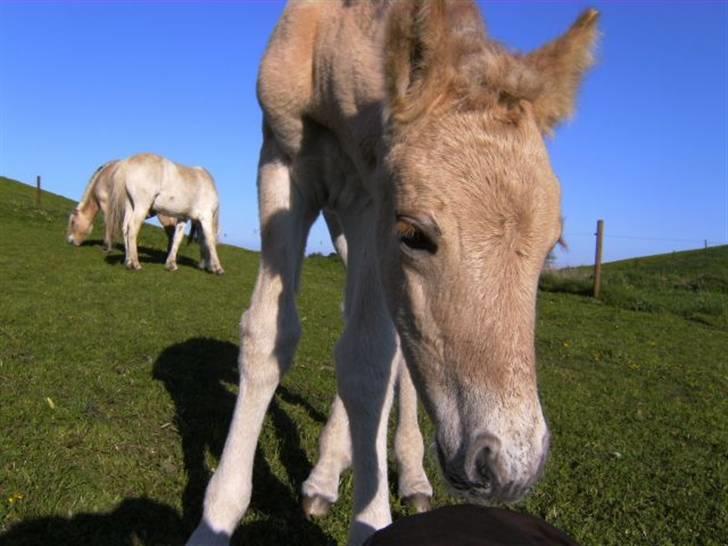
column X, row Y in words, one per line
column 419, row 501
column 315, row 507
column 219, row 271
column 133, row 266
column 170, row 266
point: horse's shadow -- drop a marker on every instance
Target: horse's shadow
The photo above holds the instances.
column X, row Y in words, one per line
column 197, row 374
column 147, row 254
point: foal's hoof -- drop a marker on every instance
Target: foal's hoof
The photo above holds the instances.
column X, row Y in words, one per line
column 133, row 266
column 170, row 266
column 219, row 271
column 315, row 507
column 419, row 501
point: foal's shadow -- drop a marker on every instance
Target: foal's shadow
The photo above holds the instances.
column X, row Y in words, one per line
column 197, row 374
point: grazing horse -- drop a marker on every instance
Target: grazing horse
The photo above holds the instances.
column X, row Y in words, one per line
column 96, row 198
column 147, row 184
column 425, row 140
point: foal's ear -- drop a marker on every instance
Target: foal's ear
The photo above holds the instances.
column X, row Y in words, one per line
column 419, row 54
column 559, row 68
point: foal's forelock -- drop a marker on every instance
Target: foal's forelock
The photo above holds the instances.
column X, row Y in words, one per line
column 448, row 61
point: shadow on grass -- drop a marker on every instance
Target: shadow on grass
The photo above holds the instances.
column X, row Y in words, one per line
column 197, row 374
column 133, row 522
column 147, row 255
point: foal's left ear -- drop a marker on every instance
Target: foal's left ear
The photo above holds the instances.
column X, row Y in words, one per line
column 559, row 68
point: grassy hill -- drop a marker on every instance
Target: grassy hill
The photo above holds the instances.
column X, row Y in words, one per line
column 116, row 389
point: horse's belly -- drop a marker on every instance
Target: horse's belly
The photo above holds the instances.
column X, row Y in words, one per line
column 173, row 204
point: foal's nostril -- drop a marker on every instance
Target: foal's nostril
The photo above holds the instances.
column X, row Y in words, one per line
column 482, row 465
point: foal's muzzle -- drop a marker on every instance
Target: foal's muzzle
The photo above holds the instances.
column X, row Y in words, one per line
column 482, row 471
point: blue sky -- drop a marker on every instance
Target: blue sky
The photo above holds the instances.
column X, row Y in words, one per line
column 85, row 82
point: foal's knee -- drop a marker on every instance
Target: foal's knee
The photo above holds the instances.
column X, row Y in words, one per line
column 267, row 347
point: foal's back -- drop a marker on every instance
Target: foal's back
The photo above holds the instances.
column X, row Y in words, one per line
column 324, row 64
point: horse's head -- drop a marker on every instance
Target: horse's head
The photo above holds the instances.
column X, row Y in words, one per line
column 79, row 227
column 469, row 214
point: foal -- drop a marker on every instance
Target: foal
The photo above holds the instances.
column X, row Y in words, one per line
column 425, row 139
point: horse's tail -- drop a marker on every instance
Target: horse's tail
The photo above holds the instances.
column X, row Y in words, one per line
column 117, row 204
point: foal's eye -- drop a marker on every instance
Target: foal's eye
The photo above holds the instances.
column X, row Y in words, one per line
column 414, row 237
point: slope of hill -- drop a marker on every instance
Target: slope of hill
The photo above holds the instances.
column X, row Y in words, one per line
column 691, row 284
column 117, row 387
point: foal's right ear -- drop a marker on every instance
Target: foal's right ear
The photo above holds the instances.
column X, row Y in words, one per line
column 560, row 67
column 419, row 52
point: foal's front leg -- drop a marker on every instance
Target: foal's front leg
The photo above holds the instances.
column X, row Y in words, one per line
column 321, row 488
column 365, row 379
column 414, row 487
column 269, row 330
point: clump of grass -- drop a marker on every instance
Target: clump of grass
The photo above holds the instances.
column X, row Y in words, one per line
column 567, row 281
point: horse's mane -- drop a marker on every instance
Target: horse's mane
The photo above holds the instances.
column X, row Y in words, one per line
column 92, row 183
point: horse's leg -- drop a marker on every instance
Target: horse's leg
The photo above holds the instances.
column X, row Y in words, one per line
column 108, row 228
column 414, row 487
column 337, row 235
column 321, row 488
column 175, row 240
column 108, row 238
column 210, row 247
column 133, row 219
column 170, row 229
column 365, row 379
column 270, row 330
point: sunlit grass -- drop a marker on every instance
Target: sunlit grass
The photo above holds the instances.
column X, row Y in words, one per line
column 116, row 389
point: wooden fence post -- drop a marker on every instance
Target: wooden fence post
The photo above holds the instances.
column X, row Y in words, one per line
column 598, row 258
column 37, row 191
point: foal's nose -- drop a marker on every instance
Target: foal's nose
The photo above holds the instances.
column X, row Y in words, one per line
column 482, row 462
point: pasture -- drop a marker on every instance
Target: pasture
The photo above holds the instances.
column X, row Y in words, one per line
column 116, row 389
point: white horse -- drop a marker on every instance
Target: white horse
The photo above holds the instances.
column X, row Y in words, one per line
column 425, row 140
column 96, row 199
column 147, row 184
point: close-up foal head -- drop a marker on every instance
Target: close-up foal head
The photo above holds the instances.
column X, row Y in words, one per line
column 468, row 216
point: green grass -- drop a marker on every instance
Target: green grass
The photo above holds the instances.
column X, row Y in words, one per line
column 116, row 389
